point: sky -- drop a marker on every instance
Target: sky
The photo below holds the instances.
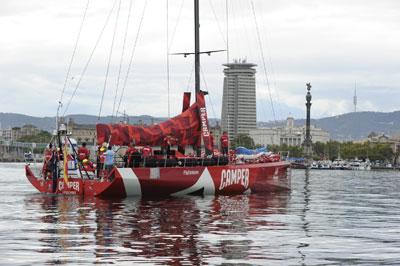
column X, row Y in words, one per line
column 336, row 45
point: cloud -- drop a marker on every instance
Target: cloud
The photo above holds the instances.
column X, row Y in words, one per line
column 331, row 44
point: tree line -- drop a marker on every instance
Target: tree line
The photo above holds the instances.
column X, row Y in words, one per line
column 329, row 151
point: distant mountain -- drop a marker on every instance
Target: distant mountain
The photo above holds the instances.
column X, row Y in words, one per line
column 342, row 127
column 48, row 123
column 352, row 126
column 17, row 120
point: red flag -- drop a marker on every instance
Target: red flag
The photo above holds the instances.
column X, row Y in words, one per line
column 65, row 161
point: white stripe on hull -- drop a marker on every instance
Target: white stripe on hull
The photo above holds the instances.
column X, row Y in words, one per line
column 205, row 181
column 131, row 182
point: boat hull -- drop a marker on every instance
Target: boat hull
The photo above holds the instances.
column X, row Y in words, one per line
column 175, row 181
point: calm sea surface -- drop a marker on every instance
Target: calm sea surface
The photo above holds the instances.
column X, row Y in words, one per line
column 329, row 218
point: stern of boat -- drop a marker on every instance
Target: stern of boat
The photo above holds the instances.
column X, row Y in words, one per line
column 272, row 177
column 38, row 183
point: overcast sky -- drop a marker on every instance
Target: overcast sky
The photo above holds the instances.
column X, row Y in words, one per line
column 331, row 44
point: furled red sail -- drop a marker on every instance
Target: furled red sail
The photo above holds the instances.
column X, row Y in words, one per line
column 187, row 128
column 184, row 127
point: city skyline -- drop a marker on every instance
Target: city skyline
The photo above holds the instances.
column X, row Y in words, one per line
column 330, row 44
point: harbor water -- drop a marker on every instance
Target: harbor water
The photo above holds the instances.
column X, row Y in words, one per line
column 330, row 217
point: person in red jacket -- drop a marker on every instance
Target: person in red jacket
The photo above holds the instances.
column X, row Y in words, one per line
column 168, row 141
column 48, row 154
column 100, row 158
column 224, row 143
column 129, row 153
column 84, row 158
column 83, row 152
column 212, row 141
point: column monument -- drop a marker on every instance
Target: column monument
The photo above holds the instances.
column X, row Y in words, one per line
column 307, row 141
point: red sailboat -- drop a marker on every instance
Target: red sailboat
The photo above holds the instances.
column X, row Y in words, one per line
column 154, row 173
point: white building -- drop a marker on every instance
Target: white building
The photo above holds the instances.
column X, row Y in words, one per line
column 289, row 134
column 239, row 99
column 6, row 134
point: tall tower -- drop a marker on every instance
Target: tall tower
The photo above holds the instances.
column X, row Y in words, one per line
column 239, row 98
column 355, row 97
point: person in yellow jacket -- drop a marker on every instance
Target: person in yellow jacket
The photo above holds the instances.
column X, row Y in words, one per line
column 100, row 158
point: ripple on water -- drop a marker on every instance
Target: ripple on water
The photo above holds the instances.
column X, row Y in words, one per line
column 330, row 217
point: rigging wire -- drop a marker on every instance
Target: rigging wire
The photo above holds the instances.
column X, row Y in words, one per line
column 209, row 95
column 273, row 75
column 167, row 42
column 176, row 23
column 260, row 108
column 227, row 30
column 190, row 78
column 109, row 58
column 89, row 59
column 217, row 21
column 74, row 52
column 132, row 55
column 246, row 34
column 122, row 57
column 272, row 72
column 263, row 59
column 235, row 27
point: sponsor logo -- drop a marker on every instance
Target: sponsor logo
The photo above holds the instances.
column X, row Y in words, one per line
column 234, row 177
column 190, row 172
column 71, row 185
column 204, row 126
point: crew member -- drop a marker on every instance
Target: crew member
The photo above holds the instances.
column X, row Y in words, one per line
column 100, row 158
column 129, row 154
column 83, row 152
column 109, row 159
column 167, row 143
column 224, row 143
column 146, row 151
column 84, row 158
column 212, row 141
column 48, row 154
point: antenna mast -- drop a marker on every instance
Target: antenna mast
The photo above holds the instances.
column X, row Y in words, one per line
column 196, row 46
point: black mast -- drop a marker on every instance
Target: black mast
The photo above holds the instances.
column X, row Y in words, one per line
column 196, row 46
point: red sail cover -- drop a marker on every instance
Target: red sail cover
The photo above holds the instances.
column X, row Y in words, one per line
column 185, row 127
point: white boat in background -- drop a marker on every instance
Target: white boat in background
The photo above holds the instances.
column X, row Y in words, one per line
column 321, row 165
column 340, row 164
column 357, row 164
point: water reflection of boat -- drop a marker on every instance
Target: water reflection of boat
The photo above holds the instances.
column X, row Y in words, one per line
column 171, row 231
